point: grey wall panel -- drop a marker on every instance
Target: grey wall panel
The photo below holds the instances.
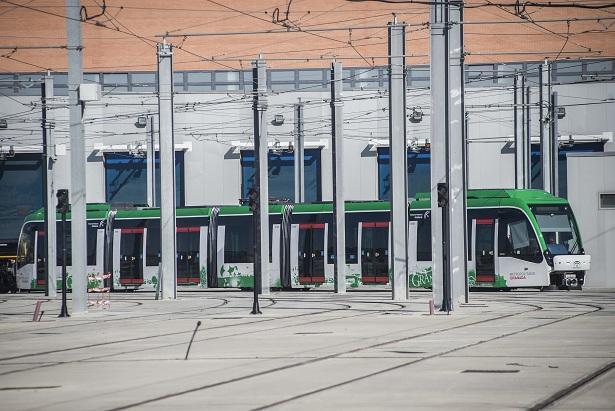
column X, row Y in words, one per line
column 213, row 173
column 587, row 177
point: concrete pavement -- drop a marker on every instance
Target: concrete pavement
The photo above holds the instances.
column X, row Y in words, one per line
column 310, row 350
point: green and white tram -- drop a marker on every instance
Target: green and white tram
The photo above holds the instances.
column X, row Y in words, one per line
column 517, row 238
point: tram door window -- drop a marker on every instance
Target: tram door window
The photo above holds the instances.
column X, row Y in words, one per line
column 188, row 254
column 374, row 252
column 152, row 248
column 131, row 256
column 311, row 253
column 485, row 250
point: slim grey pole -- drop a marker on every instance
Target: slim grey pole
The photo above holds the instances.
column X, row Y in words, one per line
column 545, row 127
column 456, row 161
column 439, row 149
column 554, row 145
column 261, row 151
column 464, row 160
column 399, row 158
column 167, row 172
column 337, row 146
column 519, row 132
column 151, row 162
column 50, row 192
column 77, row 159
column 466, row 133
column 528, row 138
column 299, row 154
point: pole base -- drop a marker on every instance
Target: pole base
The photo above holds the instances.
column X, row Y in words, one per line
column 255, row 308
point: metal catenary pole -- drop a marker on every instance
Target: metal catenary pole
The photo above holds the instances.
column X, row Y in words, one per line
column 439, row 67
column 554, row 145
column 49, row 187
column 167, row 172
column 456, row 161
column 528, row 140
column 466, row 134
column 151, row 162
column 77, row 159
column 299, row 154
column 545, row 127
column 261, row 152
column 337, row 155
column 519, row 129
column 399, row 158
column 64, row 308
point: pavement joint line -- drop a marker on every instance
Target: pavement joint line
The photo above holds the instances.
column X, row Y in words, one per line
column 143, row 338
column 566, row 391
column 311, row 361
column 94, row 321
column 55, row 363
column 445, row 353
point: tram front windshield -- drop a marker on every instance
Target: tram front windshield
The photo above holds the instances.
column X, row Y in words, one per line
column 558, row 228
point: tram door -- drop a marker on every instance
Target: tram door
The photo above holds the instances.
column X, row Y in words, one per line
column 374, row 252
column 484, row 238
column 188, row 250
column 311, row 253
column 131, row 256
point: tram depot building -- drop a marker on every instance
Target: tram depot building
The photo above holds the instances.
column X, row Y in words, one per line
column 213, row 143
column 213, row 127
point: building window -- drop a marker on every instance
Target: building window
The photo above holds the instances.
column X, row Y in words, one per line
column 21, row 186
column 199, row 81
column 607, row 200
column 143, row 82
column 536, row 171
column 418, row 76
column 418, row 173
column 226, row 80
column 126, row 178
column 506, row 73
column 282, row 174
column 568, row 71
column 480, row 75
column 115, row 82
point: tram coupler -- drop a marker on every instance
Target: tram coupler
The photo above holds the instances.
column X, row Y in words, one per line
column 568, row 280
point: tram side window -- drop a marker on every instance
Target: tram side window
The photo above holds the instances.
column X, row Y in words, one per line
column 352, row 235
column 25, row 252
column 238, row 235
column 423, row 240
column 91, row 243
column 152, row 245
column 352, row 232
column 517, row 238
